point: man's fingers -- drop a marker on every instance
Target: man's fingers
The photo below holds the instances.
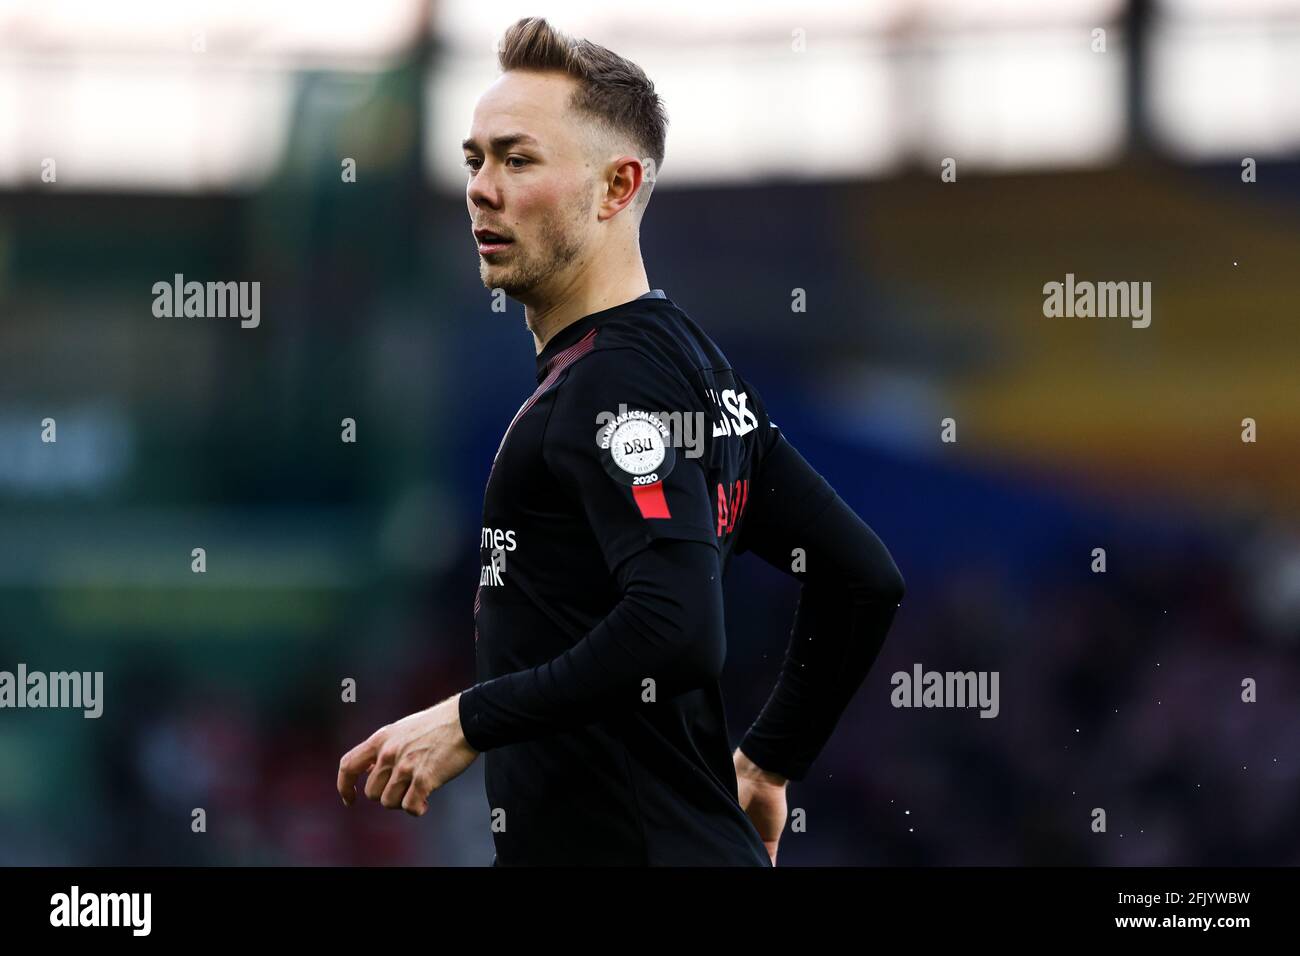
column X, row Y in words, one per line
column 417, row 797
column 393, row 792
column 354, row 763
column 377, row 781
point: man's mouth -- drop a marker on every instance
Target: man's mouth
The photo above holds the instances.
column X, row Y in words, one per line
column 490, row 242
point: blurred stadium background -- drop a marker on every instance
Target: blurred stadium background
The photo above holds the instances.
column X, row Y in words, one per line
column 804, row 151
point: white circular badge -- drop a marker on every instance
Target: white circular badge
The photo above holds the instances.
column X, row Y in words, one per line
column 637, row 447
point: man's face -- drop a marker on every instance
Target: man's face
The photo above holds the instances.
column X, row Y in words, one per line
column 532, row 183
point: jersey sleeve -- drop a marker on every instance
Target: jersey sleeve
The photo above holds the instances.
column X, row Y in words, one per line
column 851, row 589
column 625, row 438
column 668, row 625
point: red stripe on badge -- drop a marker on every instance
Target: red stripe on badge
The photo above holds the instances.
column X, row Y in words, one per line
column 650, row 499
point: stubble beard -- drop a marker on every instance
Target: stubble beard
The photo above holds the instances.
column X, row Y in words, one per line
column 559, row 245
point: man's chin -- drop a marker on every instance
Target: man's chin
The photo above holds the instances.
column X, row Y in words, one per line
column 494, row 279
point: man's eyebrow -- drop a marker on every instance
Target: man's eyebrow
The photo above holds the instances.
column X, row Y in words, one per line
column 502, row 142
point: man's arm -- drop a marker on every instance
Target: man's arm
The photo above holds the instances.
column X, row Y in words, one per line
column 851, row 590
column 668, row 626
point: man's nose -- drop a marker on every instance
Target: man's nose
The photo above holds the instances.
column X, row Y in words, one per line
column 483, row 190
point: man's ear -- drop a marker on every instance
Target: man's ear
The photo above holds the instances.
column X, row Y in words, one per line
column 627, row 177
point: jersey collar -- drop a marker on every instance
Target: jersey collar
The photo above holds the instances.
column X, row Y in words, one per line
column 574, row 331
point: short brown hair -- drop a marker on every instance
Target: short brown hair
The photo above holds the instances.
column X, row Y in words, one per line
column 612, row 89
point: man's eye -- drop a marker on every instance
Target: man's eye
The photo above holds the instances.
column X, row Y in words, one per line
column 517, row 159
column 473, row 162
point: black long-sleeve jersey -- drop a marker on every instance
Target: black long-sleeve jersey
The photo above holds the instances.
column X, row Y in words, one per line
column 619, row 493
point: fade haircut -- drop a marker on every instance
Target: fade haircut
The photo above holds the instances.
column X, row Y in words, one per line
column 612, row 90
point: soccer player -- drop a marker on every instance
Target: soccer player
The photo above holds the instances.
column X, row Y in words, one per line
column 620, row 491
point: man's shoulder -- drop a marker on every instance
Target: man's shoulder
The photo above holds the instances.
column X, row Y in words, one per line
column 652, row 336
column 650, row 320
column 645, row 358
column 632, row 365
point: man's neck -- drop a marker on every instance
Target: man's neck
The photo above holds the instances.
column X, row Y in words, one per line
column 585, row 294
